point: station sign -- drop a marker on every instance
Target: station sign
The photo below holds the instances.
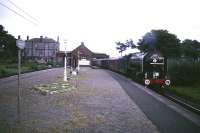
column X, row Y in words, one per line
column 20, row 44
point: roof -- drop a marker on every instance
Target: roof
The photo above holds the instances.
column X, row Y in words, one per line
column 82, row 47
column 84, row 51
column 100, row 55
column 45, row 40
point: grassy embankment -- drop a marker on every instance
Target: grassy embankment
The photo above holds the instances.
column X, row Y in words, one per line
column 184, row 75
column 190, row 93
column 9, row 68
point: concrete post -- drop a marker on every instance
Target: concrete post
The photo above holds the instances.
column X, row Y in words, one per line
column 19, row 87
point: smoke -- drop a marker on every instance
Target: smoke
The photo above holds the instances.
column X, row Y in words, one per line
column 150, row 40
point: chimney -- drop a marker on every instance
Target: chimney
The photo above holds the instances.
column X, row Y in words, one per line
column 41, row 38
column 82, row 44
column 27, row 38
column 58, row 39
column 19, row 37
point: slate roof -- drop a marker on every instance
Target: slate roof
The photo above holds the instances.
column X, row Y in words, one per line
column 82, row 47
column 84, row 51
column 45, row 40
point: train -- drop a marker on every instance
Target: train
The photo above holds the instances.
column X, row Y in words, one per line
column 148, row 68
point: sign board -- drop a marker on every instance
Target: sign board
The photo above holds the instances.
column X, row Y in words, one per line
column 20, row 44
column 84, row 62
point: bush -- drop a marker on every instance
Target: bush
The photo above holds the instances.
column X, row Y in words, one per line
column 8, row 69
column 50, row 63
column 2, row 72
column 7, row 72
column 184, row 73
column 12, row 66
column 34, row 66
column 42, row 66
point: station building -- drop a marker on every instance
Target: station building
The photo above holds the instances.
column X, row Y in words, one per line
column 80, row 55
column 45, row 50
column 41, row 49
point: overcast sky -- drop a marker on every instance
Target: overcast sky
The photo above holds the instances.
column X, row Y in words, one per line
column 101, row 23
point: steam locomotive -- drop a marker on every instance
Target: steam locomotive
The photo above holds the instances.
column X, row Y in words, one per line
column 147, row 68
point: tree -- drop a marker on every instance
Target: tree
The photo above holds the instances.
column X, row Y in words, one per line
column 161, row 40
column 8, row 47
column 130, row 44
column 191, row 48
column 121, row 47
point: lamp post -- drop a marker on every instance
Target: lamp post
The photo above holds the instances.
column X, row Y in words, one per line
column 78, row 67
column 20, row 44
column 65, row 63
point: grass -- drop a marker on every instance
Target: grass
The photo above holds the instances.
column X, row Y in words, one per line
column 58, row 87
column 9, row 69
column 190, row 93
column 4, row 127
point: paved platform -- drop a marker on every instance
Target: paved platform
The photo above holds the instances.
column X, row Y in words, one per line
column 102, row 96
column 104, row 102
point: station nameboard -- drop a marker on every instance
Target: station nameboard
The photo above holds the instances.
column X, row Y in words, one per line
column 20, row 44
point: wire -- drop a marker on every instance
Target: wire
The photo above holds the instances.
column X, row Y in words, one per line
column 18, row 14
column 22, row 10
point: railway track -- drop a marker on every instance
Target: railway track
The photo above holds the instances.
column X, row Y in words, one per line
column 190, row 106
column 186, row 104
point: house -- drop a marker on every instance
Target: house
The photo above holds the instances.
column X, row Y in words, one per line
column 43, row 49
column 80, row 55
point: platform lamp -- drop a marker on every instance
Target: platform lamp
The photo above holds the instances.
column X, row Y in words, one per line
column 78, row 67
column 21, row 45
column 65, row 63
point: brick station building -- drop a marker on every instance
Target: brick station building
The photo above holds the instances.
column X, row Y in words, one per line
column 80, row 55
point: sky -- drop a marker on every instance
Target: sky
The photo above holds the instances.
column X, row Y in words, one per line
column 101, row 23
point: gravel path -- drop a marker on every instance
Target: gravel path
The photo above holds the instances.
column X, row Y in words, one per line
column 98, row 105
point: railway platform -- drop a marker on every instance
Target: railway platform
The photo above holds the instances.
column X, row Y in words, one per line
column 104, row 102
